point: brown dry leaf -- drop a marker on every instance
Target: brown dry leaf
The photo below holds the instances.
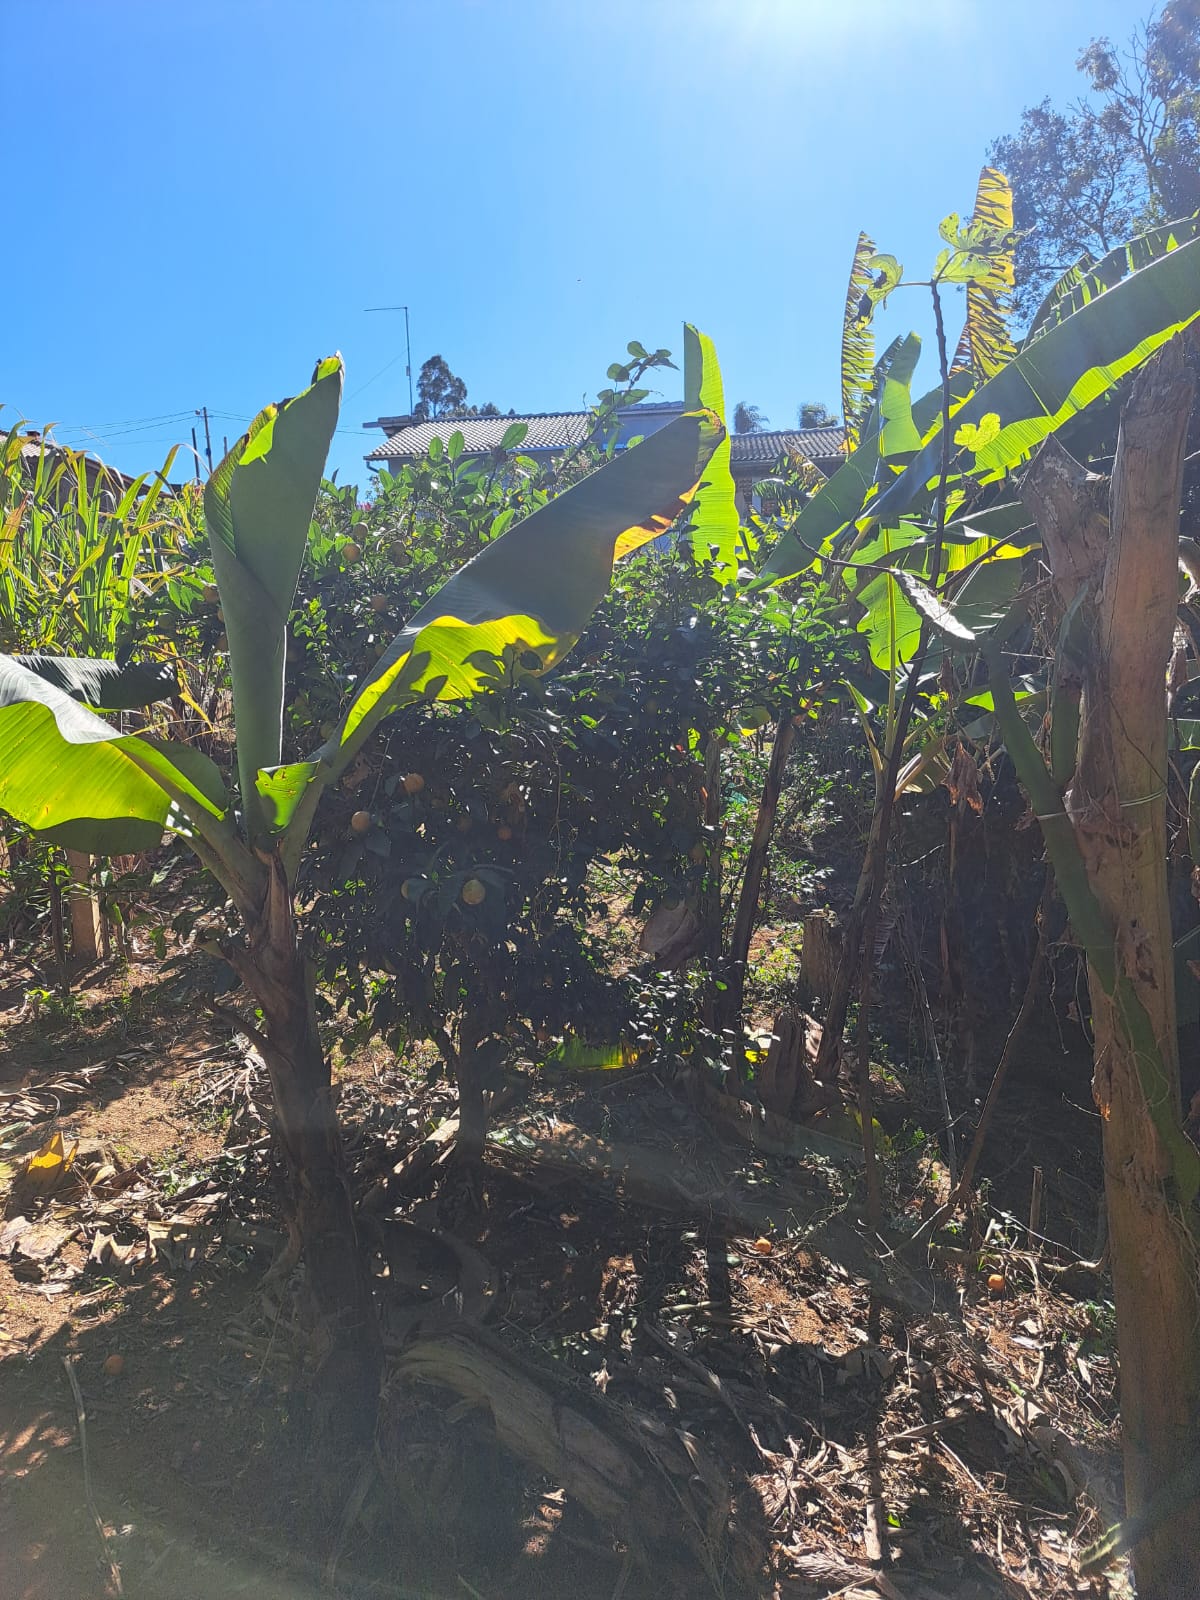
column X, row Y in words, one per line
column 11, row 1232
column 102, row 1249
column 41, row 1241
column 670, row 934
column 963, row 781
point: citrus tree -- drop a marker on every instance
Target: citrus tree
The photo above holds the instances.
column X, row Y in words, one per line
column 482, row 865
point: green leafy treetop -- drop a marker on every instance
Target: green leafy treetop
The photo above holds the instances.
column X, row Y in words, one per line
column 1124, row 158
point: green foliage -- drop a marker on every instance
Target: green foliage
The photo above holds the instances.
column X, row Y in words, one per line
column 748, row 418
column 713, row 521
column 439, row 392
column 533, row 587
column 1093, row 338
column 83, row 551
column 527, row 792
column 1116, row 162
column 985, row 346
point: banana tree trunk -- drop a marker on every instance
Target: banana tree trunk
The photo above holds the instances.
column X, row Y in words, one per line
column 276, row 971
column 85, row 909
column 1121, row 542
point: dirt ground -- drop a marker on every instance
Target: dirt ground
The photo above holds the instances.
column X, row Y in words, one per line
column 938, row 1422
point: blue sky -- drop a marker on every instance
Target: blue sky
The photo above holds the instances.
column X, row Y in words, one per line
column 204, row 198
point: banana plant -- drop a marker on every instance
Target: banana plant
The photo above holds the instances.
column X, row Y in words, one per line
column 925, row 489
column 65, row 770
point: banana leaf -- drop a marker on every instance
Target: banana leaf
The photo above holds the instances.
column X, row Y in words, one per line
column 858, row 343
column 65, row 771
column 104, row 685
column 986, row 345
column 1072, row 365
column 258, row 507
column 1089, row 278
column 713, row 517
column 847, row 496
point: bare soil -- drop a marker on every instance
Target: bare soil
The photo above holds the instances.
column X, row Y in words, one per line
column 934, row 1423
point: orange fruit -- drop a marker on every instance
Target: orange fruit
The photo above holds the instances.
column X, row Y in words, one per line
column 360, row 822
column 762, row 1246
column 997, row 1282
column 413, row 783
column 473, row 892
column 114, row 1366
column 504, row 832
column 350, row 552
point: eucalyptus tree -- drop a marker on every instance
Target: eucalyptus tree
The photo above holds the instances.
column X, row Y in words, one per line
column 1121, row 158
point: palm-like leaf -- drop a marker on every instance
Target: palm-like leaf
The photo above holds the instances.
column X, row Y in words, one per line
column 1072, row 365
column 104, row 685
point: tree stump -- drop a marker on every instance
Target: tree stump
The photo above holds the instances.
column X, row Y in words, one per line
column 820, row 954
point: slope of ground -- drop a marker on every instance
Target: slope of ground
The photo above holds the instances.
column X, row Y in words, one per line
column 935, row 1423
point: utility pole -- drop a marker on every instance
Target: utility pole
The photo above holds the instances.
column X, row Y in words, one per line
column 196, row 454
column 407, row 347
column 203, row 412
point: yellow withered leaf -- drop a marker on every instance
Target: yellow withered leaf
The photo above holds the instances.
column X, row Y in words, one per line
column 47, row 1167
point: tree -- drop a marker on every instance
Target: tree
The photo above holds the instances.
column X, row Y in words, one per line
column 1118, row 160
column 443, row 394
column 64, row 770
column 440, row 392
column 748, row 419
column 815, row 414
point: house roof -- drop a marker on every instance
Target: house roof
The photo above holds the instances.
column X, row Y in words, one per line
column 762, row 449
column 547, row 430
column 34, row 446
column 558, row 430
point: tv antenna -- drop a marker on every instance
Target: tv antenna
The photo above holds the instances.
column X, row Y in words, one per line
column 407, row 346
